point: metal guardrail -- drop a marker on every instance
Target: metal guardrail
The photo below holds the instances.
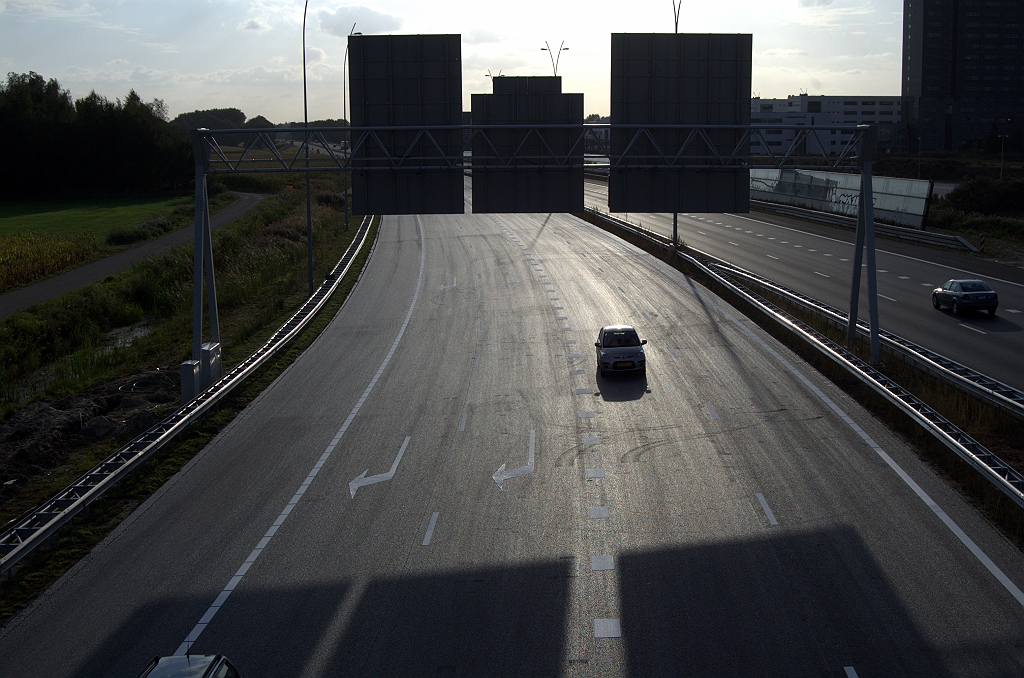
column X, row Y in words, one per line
column 911, row 234
column 993, row 469
column 31, row 530
column 971, row 380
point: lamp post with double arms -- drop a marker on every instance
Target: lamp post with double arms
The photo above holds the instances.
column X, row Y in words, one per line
column 305, row 114
column 554, row 59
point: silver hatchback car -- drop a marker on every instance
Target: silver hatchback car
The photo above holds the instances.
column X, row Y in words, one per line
column 620, row 349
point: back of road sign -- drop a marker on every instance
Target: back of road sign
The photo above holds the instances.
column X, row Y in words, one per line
column 678, row 79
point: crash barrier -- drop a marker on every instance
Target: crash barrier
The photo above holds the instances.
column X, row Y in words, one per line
column 993, row 469
column 34, row 528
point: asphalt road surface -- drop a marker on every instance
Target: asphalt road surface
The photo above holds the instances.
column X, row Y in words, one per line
column 730, row 514
column 22, row 298
column 816, row 260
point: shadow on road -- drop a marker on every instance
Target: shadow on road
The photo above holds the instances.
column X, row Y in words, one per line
column 984, row 321
column 621, row 387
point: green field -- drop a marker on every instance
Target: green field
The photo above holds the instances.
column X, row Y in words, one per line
column 93, row 217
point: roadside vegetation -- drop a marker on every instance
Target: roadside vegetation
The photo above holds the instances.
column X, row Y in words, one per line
column 109, row 354
column 41, row 239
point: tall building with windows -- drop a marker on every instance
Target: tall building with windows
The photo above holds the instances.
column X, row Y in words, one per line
column 884, row 112
column 963, row 71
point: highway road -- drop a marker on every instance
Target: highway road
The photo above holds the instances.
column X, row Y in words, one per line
column 730, row 514
column 816, row 260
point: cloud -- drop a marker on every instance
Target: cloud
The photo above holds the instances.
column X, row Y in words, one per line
column 817, row 84
column 315, row 55
column 339, row 22
column 257, row 25
column 481, row 37
column 117, row 61
column 815, row 3
column 780, row 53
column 68, row 10
column 161, row 47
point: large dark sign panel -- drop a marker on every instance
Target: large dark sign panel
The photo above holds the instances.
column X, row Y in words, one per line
column 548, row 163
column 678, row 79
column 407, row 80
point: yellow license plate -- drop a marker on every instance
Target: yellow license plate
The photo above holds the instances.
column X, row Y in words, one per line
column 623, row 365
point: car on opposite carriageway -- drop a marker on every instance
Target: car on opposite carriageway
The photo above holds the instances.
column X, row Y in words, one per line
column 966, row 295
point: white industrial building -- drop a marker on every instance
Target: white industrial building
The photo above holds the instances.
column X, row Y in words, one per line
column 886, row 113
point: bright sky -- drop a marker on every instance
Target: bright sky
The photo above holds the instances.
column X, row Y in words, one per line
column 247, row 54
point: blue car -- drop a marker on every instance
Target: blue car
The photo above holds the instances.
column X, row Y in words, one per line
column 966, row 295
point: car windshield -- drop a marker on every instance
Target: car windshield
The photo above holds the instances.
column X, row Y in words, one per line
column 975, row 286
column 620, row 338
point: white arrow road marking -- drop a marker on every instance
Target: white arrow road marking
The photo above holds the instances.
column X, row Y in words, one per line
column 449, row 287
column 362, row 480
column 501, row 475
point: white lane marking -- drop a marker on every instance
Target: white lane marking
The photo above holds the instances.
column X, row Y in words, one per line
column 587, row 415
column 885, row 297
column 476, row 363
column 553, row 298
column 607, row 628
column 501, row 475
column 783, row 242
column 576, row 371
column 591, row 440
column 734, row 243
column 430, row 529
column 850, row 672
column 881, row 270
column 645, row 316
column 822, row 274
column 927, row 285
column 771, row 257
column 481, row 295
column 760, row 235
column 767, row 509
column 973, row 328
column 448, row 287
column 844, row 260
column 673, row 352
column 478, row 276
column 812, row 250
column 602, row 563
column 594, row 473
column 598, row 513
column 1012, row 310
column 362, row 480
column 583, row 390
column 562, row 317
column 904, row 256
column 702, row 232
column 904, row 277
column 233, row 582
column 771, row 238
column 711, row 410
column 462, row 424
column 904, row 476
column 567, row 329
column 827, row 255
column 559, row 308
column 481, row 325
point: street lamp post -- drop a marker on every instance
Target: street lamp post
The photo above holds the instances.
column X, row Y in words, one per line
column 305, row 113
column 554, row 60
column 676, row 8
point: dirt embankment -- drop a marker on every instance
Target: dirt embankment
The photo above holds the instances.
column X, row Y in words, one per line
column 51, row 433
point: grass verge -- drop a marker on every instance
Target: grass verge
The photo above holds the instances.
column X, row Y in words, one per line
column 69, row 545
column 38, row 240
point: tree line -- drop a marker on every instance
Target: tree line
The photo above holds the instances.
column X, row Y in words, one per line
column 56, row 146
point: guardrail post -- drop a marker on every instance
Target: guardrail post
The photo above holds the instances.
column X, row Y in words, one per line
column 675, row 232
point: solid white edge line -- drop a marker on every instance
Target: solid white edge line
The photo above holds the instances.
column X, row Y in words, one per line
column 193, row 635
column 430, row 529
column 953, row 527
column 850, row 672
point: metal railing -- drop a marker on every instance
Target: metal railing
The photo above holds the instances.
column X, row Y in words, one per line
column 1009, row 481
column 34, row 528
column 420, row 148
